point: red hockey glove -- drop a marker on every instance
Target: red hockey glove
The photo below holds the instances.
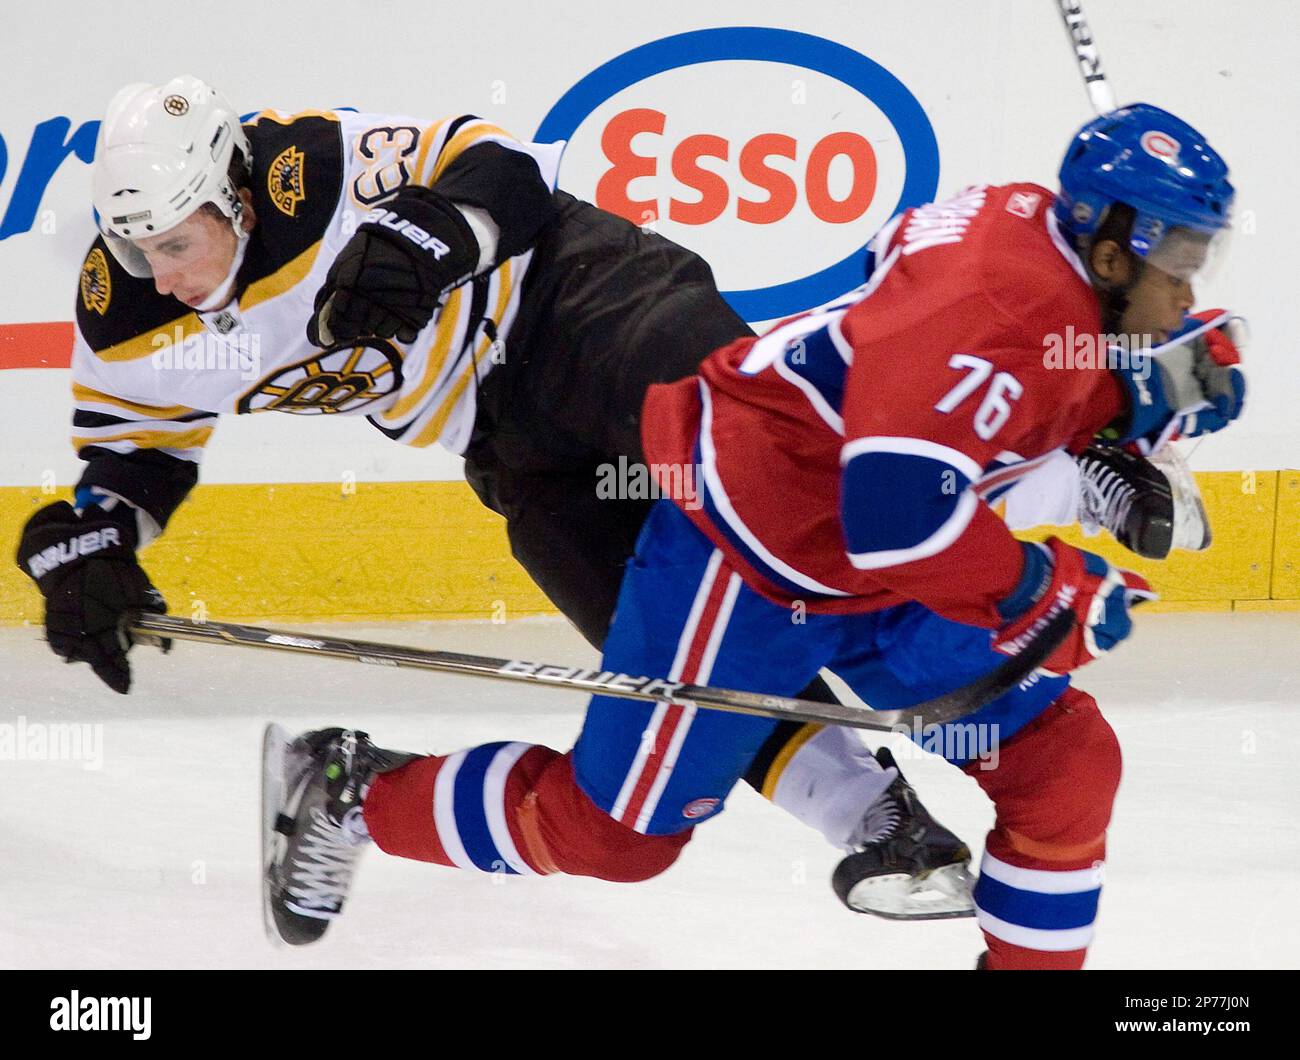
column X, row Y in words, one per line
column 1058, row 577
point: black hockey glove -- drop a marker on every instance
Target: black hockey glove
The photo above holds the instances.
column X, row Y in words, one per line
column 85, row 566
column 387, row 280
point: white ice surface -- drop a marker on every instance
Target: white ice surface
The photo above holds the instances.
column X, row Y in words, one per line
column 152, row 860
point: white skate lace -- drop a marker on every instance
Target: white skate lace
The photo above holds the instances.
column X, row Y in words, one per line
column 1105, row 498
column 878, row 823
column 322, row 870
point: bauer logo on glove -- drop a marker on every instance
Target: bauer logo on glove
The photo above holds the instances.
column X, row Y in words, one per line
column 76, row 546
column 85, row 566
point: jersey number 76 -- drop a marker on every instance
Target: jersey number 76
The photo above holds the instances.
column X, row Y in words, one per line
column 995, row 409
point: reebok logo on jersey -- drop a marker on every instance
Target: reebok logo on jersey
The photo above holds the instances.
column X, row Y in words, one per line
column 1024, row 204
column 416, row 234
column 86, row 544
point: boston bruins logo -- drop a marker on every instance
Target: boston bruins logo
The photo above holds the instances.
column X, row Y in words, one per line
column 96, row 288
column 284, row 180
column 343, row 378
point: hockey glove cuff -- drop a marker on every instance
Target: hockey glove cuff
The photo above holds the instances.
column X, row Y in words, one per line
column 1059, row 577
column 1191, row 385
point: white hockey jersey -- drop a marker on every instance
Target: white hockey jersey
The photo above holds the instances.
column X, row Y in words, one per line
column 149, row 373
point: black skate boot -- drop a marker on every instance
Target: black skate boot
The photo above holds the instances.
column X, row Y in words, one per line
column 907, row 865
column 312, row 829
column 1150, row 505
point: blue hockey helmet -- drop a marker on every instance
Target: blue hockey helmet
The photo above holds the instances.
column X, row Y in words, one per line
column 1163, row 169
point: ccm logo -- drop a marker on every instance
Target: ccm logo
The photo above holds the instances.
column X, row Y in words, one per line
column 416, row 234
column 752, row 160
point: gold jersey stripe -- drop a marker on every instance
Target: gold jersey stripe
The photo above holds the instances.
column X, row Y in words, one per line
column 505, row 279
column 153, row 341
column 433, row 429
column 85, row 395
column 783, row 758
column 436, row 360
column 289, row 119
column 191, row 439
column 284, row 278
column 468, row 136
column 428, row 138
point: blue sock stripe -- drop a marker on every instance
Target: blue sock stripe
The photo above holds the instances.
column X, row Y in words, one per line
column 1046, row 912
column 471, row 819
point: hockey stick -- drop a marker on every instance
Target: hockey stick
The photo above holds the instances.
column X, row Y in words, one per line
column 937, row 711
column 1085, row 51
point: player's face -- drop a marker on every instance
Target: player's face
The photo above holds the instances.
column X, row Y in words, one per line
column 193, row 259
column 1157, row 304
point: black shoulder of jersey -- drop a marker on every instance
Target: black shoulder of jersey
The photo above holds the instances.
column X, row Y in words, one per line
column 114, row 306
column 297, row 178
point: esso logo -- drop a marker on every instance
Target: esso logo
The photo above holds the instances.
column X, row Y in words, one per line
column 755, row 163
column 775, row 155
column 1160, row 145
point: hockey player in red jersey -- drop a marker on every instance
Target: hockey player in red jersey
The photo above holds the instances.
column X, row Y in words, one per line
column 845, row 462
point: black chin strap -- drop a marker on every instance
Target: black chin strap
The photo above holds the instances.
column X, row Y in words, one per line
column 1114, row 301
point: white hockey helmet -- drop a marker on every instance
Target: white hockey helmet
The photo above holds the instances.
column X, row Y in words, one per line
column 163, row 151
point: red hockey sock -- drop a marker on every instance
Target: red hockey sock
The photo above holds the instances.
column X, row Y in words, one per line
column 1040, row 880
column 512, row 808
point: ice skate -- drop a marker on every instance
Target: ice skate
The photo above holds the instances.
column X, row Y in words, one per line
column 907, row 865
column 1150, row 505
column 312, row 827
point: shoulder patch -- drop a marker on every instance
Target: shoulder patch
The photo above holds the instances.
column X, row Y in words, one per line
column 297, row 181
column 96, row 287
column 113, row 307
column 284, row 180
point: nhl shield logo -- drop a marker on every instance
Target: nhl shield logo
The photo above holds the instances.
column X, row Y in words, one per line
column 96, row 288
column 284, row 180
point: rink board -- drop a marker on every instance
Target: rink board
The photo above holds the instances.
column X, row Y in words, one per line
column 427, row 550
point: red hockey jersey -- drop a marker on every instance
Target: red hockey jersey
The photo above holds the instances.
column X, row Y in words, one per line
column 846, row 459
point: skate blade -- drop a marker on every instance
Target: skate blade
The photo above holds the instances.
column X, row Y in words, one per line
column 278, row 763
column 943, row 894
